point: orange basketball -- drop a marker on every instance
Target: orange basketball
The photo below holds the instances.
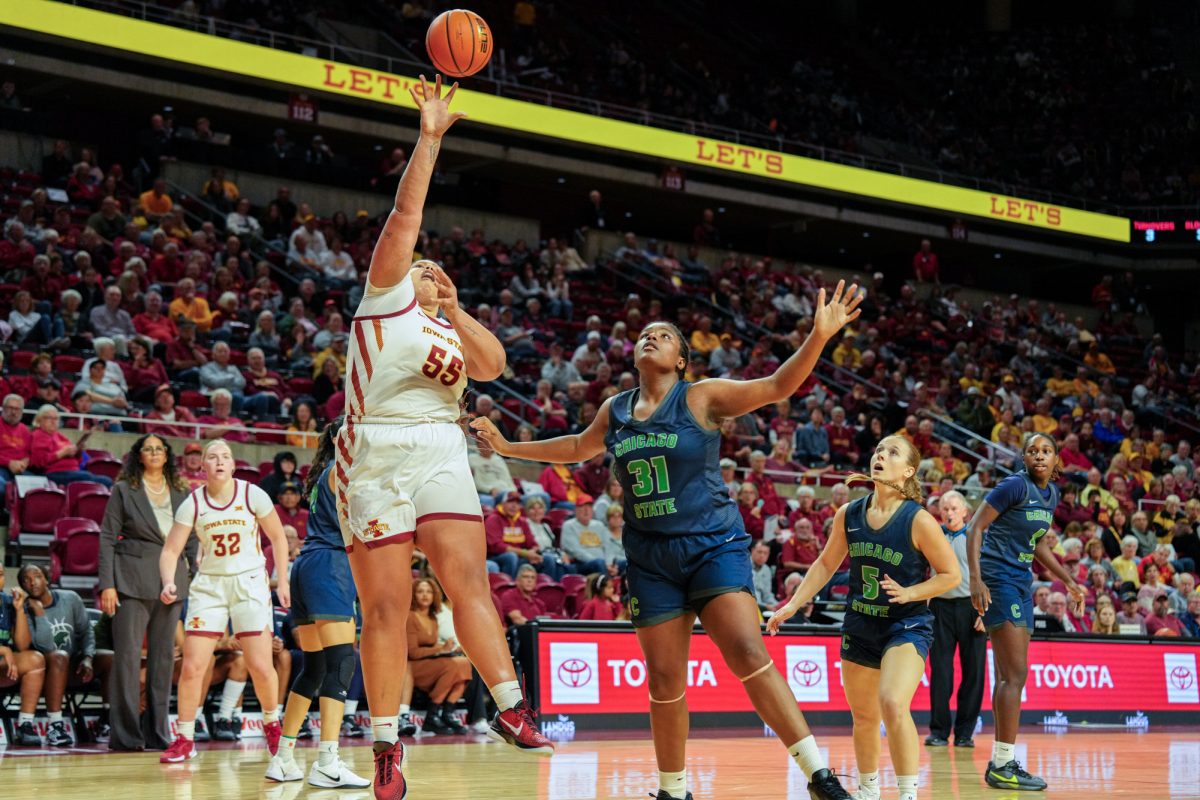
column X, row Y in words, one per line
column 459, row 43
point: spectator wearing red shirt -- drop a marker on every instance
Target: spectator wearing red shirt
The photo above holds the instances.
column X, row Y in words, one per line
column 751, row 510
column 1072, row 458
column 521, row 605
column 764, row 484
column 260, row 380
column 560, row 484
column 16, row 252
column 56, row 455
column 842, row 450
column 184, row 354
column 15, row 441
column 603, row 604
column 223, row 419
column 192, row 469
column 593, row 475
column 41, row 285
column 510, row 541
column 289, row 508
column 153, row 323
column 926, row 268
column 807, row 500
column 176, row 417
column 783, row 426
column 1160, row 621
column 144, row 374
column 1069, row 510
column 801, row 549
column 168, row 266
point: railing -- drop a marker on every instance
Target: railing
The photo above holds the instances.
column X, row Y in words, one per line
column 965, row 435
column 506, row 87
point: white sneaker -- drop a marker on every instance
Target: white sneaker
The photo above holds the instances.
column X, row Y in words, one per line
column 280, row 771
column 480, row 726
column 866, row 794
column 335, row 776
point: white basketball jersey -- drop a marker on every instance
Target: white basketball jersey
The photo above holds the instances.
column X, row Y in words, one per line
column 229, row 540
column 403, row 364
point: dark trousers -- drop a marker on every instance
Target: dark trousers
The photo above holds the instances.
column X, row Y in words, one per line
column 137, row 619
column 954, row 626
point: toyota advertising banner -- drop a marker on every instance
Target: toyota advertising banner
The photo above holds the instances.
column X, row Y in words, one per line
column 603, row 673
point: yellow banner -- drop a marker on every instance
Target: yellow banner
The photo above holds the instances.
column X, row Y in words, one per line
column 314, row 74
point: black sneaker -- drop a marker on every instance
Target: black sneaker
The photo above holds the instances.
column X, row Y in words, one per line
column 1011, row 776
column 407, row 726
column 451, row 721
column 434, row 722
column 935, row 741
column 223, row 730
column 202, row 734
column 57, row 736
column 965, row 741
column 305, row 731
column 662, row 795
column 237, row 728
column 824, row 785
column 103, row 732
column 27, row 735
column 352, row 730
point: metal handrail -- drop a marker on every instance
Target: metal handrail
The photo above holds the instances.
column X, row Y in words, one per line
column 506, row 87
column 970, row 435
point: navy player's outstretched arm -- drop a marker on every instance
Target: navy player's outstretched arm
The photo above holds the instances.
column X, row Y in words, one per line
column 932, row 543
column 393, row 251
column 719, row 398
column 559, row 450
column 981, row 598
column 832, row 556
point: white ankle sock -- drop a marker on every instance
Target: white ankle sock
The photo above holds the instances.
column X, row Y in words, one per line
column 55, row 716
column 229, row 697
column 385, row 729
column 327, row 753
column 404, row 709
column 351, row 708
column 23, row 718
column 1002, row 752
column 506, row 694
column 287, row 748
column 908, row 786
column 271, row 716
column 807, row 756
column 673, row 783
column 186, row 729
column 868, row 785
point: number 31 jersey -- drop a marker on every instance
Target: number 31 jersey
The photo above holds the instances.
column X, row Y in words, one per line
column 403, row 364
column 228, row 533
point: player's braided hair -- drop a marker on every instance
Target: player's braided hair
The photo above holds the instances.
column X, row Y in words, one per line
column 325, row 451
column 911, row 489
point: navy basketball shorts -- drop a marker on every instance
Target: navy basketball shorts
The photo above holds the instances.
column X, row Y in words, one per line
column 865, row 639
column 1012, row 600
column 322, row 587
column 669, row 576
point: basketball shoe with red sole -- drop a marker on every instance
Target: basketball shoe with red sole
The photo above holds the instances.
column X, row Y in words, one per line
column 389, row 773
column 518, row 727
column 180, row 750
column 273, row 731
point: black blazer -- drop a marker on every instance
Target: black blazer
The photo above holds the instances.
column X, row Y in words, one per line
column 131, row 543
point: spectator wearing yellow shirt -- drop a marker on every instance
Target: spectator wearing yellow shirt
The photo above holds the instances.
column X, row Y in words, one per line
column 187, row 305
column 1166, row 517
column 1043, row 420
column 1059, row 386
column 1006, row 421
column 1126, row 564
column 220, row 187
column 1098, row 360
column 155, row 201
column 703, row 340
column 336, row 351
column 846, row 354
column 1082, row 385
column 970, row 379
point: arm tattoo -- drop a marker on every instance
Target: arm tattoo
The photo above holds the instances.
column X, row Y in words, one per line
column 433, row 151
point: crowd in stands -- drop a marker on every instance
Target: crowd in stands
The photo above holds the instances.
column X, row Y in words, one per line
column 1098, row 109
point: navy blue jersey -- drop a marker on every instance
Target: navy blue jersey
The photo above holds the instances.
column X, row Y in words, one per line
column 669, row 467
column 324, row 531
column 885, row 551
column 1026, row 513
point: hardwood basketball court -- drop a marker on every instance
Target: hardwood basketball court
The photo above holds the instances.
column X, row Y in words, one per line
column 735, row 766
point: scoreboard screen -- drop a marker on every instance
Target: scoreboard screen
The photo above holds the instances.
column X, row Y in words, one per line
column 1165, row 231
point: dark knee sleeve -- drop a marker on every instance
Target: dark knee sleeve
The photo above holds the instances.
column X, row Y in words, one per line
column 308, row 681
column 340, row 661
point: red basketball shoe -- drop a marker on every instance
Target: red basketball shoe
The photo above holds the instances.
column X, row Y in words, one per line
column 518, row 727
column 180, row 750
column 272, row 731
column 389, row 773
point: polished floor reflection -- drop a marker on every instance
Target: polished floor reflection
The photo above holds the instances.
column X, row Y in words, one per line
column 1112, row 763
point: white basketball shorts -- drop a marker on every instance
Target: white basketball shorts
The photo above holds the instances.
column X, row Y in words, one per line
column 215, row 600
column 393, row 477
